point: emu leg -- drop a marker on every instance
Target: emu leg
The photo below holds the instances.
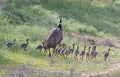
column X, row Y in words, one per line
column 10, row 47
column 105, row 58
column 45, row 50
column 40, row 50
column 49, row 53
column 86, row 58
column 24, row 49
column 53, row 51
column 82, row 57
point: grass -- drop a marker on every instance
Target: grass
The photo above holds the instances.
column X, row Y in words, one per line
column 33, row 20
column 95, row 16
column 33, row 57
column 87, row 17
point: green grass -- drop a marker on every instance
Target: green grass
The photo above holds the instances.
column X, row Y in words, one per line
column 33, row 19
column 84, row 13
column 33, row 57
column 86, row 17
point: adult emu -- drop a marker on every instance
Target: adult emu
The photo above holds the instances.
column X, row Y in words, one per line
column 54, row 37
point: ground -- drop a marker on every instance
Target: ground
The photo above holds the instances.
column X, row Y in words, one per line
column 40, row 65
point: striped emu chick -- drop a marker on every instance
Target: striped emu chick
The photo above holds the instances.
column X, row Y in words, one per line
column 25, row 45
column 10, row 44
column 44, row 47
column 71, row 50
column 76, row 53
column 57, row 49
column 93, row 52
column 106, row 55
column 88, row 54
column 83, row 52
column 62, row 52
column 67, row 53
column 39, row 47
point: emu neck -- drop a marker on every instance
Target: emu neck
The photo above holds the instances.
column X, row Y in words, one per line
column 60, row 26
column 64, row 46
column 89, row 50
column 13, row 42
column 73, row 47
column 27, row 42
column 108, row 51
column 84, row 48
column 78, row 48
column 43, row 44
column 60, row 21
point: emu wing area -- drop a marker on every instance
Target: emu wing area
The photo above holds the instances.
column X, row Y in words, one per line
column 54, row 38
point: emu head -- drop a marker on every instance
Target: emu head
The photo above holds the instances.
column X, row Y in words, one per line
column 109, row 50
column 27, row 39
column 60, row 23
column 14, row 41
column 89, row 48
column 60, row 17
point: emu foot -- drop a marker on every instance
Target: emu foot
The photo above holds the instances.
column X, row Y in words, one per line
column 49, row 55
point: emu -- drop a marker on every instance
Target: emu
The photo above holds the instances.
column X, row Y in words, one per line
column 10, row 44
column 88, row 54
column 39, row 47
column 54, row 37
column 83, row 52
column 57, row 49
column 63, row 49
column 92, row 54
column 106, row 55
column 76, row 52
column 71, row 50
column 25, row 45
column 67, row 53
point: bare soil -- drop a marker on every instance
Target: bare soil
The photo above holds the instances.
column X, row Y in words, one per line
column 93, row 39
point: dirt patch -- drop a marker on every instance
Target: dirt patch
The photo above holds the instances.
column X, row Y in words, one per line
column 113, row 67
column 31, row 71
column 92, row 39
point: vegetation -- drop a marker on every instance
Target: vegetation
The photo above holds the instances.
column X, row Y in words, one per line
column 81, row 13
column 21, row 19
